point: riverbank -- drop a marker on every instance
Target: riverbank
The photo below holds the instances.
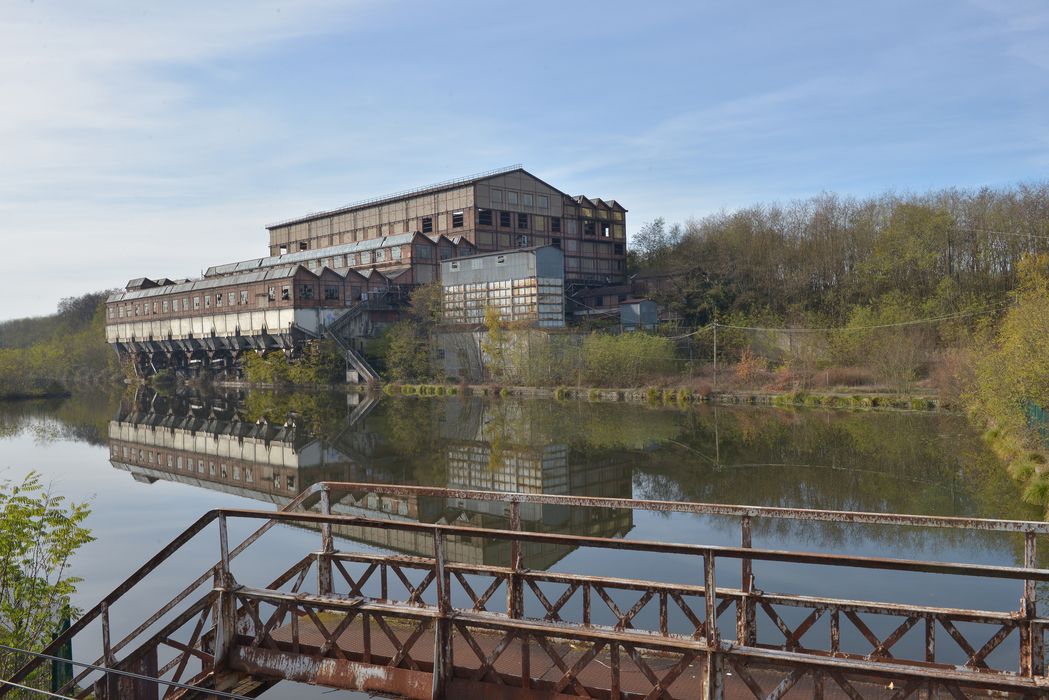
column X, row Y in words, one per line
column 30, row 395
column 682, row 397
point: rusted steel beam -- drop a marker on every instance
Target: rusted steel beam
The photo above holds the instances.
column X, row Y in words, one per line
column 834, row 516
column 884, row 563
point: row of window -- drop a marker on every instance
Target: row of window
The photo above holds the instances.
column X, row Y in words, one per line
column 526, row 199
column 304, row 291
column 176, row 461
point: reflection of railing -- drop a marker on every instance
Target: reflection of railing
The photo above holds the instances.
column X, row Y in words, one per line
column 372, row 611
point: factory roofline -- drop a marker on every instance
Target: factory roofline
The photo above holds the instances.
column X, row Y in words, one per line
column 427, row 189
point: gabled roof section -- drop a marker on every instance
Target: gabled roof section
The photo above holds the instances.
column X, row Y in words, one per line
column 616, row 205
column 212, row 283
column 427, row 189
column 383, row 199
column 583, row 201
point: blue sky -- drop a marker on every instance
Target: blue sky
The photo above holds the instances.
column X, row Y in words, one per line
column 160, row 138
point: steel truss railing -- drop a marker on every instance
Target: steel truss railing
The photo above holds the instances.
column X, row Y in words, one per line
column 228, row 629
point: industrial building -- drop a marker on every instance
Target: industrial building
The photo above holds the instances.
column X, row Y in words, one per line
column 497, row 210
column 504, row 239
column 521, row 285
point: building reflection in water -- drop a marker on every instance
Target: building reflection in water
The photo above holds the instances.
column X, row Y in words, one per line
column 210, row 442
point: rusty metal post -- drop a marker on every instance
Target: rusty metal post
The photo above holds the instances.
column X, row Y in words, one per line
column 1032, row 636
column 714, row 681
column 442, row 652
column 225, row 611
column 746, row 632
column 514, row 585
column 324, row 577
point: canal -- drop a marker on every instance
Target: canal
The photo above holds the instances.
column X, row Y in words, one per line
column 103, row 448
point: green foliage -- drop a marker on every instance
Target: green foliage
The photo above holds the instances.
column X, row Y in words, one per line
column 1015, row 371
column 39, row 534
column 320, row 363
column 407, row 353
column 52, row 354
column 627, row 359
column 271, row 368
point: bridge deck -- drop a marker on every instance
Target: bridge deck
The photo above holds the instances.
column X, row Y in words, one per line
column 425, row 627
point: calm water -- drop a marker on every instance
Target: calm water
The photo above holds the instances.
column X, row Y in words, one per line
column 102, row 448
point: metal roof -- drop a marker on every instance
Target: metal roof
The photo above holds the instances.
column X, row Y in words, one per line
column 302, row 256
column 209, row 283
column 427, row 189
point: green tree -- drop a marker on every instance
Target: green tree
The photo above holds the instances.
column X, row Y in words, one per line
column 39, row 534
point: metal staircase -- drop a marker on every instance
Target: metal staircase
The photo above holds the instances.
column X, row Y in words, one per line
column 336, row 331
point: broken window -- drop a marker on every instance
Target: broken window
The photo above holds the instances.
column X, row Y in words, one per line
column 423, row 252
column 283, row 249
column 606, row 230
column 232, row 298
column 555, row 224
column 244, row 296
column 271, row 294
column 555, row 242
column 218, row 299
column 207, row 301
column 285, row 293
column 504, row 219
column 589, row 228
column 305, row 291
column 484, row 217
column 303, row 245
column 457, row 219
column 165, row 306
column 522, row 221
column 380, row 255
column 331, row 292
column 618, row 248
column 427, row 224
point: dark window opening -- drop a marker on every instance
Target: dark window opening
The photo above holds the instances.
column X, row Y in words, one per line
column 283, row 248
column 457, row 219
column 302, row 245
column 618, row 248
column 484, row 217
column 331, row 292
column 305, row 291
column 606, row 230
column 285, row 293
column 446, row 252
column 555, row 224
column 599, row 301
column 555, row 242
column 427, row 224
column 589, row 228
column 271, row 294
column 522, row 221
column 504, row 219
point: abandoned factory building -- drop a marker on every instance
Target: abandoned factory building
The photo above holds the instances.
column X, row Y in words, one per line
column 346, row 273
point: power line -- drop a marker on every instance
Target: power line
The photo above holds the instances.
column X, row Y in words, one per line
column 116, row 672
column 834, row 329
column 33, row 690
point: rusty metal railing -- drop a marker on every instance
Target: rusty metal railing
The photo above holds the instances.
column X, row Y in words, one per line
column 702, row 603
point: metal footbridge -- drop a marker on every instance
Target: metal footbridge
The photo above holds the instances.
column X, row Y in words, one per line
column 431, row 627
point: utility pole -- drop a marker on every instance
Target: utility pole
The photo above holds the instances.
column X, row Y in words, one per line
column 715, row 355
